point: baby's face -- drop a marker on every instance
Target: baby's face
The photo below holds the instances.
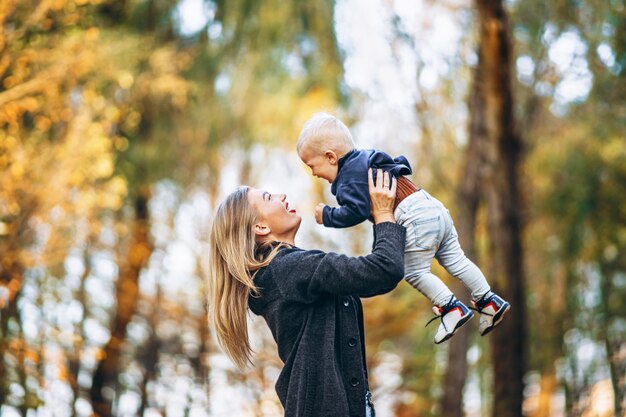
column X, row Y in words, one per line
column 322, row 165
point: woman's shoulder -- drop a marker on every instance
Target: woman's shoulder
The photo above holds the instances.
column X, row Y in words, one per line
column 286, row 258
column 267, row 286
column 294, row 264
column 292, row 255
column 273, row 280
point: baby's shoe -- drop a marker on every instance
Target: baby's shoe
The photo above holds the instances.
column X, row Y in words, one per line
column 453, row 315
column 492, row 309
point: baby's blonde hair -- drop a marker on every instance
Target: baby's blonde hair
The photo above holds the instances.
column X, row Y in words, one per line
column 324, row 132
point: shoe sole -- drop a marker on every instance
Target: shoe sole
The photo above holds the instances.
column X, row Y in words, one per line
column 497, row 318
column 459, row 324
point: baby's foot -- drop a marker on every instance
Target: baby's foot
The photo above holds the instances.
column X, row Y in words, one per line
column 453, row 316
column 492, row 309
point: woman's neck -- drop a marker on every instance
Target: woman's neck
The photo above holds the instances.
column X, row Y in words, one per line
column 289, row 239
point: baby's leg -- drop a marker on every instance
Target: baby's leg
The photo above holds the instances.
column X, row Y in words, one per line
column 417, row 273
column 453, row 259
column 492, row 307
column 424, row 223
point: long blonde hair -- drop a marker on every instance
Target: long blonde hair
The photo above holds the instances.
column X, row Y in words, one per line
column 234, row 259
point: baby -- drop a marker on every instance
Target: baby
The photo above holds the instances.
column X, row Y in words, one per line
column 326, row 146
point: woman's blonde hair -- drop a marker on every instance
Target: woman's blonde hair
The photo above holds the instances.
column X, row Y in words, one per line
column 234, row 259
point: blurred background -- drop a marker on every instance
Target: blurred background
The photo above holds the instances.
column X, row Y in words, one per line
column 123, row 123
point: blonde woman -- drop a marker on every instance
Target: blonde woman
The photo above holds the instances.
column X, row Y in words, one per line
column 309, row 298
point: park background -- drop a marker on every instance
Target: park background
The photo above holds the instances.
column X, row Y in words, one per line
column 124, row 122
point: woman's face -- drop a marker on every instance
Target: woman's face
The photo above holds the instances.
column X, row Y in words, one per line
column 276, row 220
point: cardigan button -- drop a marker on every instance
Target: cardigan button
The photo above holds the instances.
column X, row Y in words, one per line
column 354, row 382
column 352, row 342
column 346, row 302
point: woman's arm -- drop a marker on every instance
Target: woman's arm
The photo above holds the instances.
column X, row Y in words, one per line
column 304, row 275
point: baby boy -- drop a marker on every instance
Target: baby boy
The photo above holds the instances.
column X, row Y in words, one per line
column 326, row 146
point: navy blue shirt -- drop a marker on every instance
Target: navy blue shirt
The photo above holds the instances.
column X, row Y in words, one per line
column 351, row 189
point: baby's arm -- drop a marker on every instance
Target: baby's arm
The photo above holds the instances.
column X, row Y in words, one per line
column 354, row 206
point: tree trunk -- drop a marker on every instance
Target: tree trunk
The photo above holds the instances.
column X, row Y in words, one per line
column 201, row 363
column 616, row 352
column 614, row 344
column 11, row 278
column 127, row 295
column 149, row 356
column 75, row 357
column 574, row 383
column 503, row 202
column 468, row 196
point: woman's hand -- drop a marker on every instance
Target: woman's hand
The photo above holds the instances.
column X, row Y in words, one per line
column 382, row 196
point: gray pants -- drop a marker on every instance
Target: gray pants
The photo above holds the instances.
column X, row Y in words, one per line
column 430, row 233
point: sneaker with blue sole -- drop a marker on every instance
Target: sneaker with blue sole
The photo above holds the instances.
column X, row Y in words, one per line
column 453, row 316
column 492, row 309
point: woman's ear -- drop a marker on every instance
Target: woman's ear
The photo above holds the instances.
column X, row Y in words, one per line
column 331, row 157
column 261, row 230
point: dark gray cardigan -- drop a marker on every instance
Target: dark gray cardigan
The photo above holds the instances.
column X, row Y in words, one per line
column 310, row 301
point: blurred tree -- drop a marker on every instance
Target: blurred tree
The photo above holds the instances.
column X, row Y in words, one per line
column 561, row 49
column 148, row 100
column 469, row 195
column 182, row 71
column 504, row 204
column 50, row 178
column 102, row 102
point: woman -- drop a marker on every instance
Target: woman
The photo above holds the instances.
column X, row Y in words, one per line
column 309, row 299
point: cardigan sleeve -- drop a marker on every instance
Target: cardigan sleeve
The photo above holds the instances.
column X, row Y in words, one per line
column 303, row 276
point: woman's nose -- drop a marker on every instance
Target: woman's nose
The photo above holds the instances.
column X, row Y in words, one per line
column 282, row 197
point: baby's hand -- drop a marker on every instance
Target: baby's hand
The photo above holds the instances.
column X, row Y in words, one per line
column 319, row 210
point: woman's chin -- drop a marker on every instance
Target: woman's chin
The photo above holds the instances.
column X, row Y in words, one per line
column 299, row 220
